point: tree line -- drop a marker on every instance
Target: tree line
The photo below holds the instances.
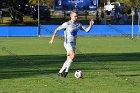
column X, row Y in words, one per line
column 15, row 3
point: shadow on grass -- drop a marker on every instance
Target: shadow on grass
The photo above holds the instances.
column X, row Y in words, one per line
column 29, row 65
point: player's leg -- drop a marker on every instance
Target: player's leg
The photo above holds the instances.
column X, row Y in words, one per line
column 70, row 57
column 61, row 71
column 67, row 63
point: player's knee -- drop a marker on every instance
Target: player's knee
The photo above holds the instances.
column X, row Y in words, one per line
column 72, row 55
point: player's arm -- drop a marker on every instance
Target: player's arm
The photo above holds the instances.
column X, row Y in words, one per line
column 89, row 27
column 54, row 34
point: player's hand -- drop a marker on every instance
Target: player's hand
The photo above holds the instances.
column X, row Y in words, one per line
column 51, row 41
column 91, row 22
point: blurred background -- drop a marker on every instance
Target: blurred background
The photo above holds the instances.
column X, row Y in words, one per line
column 55, row 12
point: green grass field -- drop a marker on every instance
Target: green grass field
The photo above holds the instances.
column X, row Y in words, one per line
column 30, row 65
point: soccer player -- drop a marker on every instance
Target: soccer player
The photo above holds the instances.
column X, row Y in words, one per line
column 70, row 33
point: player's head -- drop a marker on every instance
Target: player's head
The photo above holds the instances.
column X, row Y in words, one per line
column 73, row 16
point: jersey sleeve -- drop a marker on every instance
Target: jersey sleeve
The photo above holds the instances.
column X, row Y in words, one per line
column 64, row 25
column 82, row 27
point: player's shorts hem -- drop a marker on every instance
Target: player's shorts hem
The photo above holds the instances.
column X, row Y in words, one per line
column 70, row 47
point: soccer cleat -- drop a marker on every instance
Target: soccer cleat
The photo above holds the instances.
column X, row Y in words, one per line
column 60, row 74
column 65, row 74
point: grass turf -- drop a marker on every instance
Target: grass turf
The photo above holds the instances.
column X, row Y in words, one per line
column 109, row 64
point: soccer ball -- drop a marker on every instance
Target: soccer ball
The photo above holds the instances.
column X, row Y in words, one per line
column 78, row 74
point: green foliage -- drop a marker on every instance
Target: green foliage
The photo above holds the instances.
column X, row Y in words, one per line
column 48, row 2
column 131, row 3
column 14, row 3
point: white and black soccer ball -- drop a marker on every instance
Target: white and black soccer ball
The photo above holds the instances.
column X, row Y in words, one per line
column 78, row 74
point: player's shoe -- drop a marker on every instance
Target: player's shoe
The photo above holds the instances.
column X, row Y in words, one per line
column 65, row 74
column 60, row 74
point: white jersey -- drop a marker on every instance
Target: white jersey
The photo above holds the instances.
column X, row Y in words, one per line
column 71, row 30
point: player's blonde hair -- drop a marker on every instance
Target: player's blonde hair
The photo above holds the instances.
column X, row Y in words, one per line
column 72, row 13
